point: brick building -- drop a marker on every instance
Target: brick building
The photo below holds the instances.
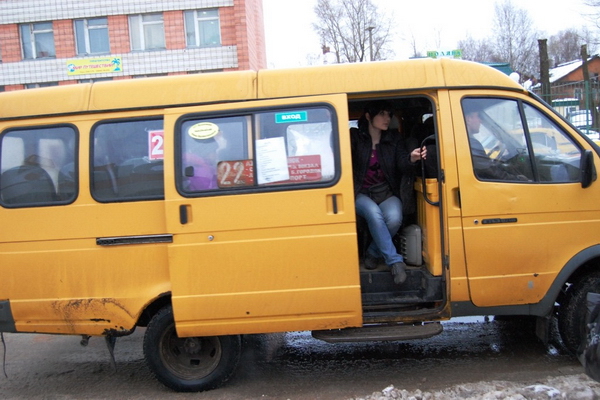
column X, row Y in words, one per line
column 60, row 42
column 569, row 92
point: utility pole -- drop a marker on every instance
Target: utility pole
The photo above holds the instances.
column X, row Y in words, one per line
column 370, row 30
column 588, row 101
column 544, row 70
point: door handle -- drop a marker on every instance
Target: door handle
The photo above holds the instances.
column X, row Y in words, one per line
column 184, row 214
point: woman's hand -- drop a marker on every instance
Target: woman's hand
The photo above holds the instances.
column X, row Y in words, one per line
column 418, row 154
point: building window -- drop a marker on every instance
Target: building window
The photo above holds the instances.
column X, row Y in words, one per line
column 40, row 85
column 202, row 28
column 92, row 80
column 37, row 40
column 147, row 32
column 149, row 75
column 91, row 36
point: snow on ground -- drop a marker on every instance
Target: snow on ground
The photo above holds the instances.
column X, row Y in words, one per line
column 572, row 387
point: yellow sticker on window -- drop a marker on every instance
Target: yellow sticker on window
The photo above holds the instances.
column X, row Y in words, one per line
column 203, row 130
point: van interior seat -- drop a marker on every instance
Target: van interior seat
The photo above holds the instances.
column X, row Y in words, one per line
column 104, row 182
column 67, row 181
column 141, row 177
column 27, row 184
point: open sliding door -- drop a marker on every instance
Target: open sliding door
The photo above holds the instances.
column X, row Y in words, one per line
column 261, row 209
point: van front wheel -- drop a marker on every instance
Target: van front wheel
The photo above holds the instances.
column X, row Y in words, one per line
column 572, row 310
column 190, row 364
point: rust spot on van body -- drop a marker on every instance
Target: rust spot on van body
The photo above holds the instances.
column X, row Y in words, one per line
column 118, row 332
column 104, row 311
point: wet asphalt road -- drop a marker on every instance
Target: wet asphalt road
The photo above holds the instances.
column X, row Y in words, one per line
column 288, row 366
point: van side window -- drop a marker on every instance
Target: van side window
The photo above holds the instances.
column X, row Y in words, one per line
column 512, row 141
column 497, row 139
column 557, row 158
column 204, row 143
column 283, row 147
column 127, row 160
column 304, row 138
column 38, row 166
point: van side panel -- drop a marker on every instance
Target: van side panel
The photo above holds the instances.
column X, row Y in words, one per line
column 266, row 260
column 77, row 287
column 264, row 281
column 518, row 234
column 459, row 288
column 57, row 271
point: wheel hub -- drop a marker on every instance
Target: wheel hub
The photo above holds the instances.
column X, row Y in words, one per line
column 192, row 346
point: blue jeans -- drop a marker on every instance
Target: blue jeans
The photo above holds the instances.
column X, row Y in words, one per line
column 383, row 220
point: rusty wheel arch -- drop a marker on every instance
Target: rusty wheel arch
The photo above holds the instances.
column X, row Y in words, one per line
column 152, row 308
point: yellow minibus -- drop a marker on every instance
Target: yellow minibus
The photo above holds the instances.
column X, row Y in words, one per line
column 206, row 207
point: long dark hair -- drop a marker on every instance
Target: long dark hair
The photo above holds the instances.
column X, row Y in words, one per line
column 373, row 108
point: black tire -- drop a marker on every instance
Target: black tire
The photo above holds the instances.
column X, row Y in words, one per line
column 188, row 364
column 573, row 309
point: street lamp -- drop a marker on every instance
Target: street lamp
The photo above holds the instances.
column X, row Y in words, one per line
column 370, row 30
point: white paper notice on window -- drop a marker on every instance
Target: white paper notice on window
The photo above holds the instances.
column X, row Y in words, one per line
column 271, row 159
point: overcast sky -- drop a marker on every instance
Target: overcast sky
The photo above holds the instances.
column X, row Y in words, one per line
column 290, row 38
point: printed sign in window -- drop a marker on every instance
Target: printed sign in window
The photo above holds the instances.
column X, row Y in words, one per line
column 305, row 168
column 240, row 173
column 287, row 117
column 272, row 161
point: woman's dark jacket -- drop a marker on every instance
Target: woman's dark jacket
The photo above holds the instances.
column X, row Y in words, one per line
column 394, row 160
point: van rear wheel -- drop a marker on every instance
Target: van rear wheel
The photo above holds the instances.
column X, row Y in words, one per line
column 572, row 311
column 190, row 364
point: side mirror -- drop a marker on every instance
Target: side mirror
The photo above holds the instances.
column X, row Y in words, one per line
column 588, row 170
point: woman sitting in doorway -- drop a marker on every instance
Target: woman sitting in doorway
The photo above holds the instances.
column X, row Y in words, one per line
column 379, row 159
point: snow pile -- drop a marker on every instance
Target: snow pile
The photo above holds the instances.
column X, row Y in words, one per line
column 574, row 387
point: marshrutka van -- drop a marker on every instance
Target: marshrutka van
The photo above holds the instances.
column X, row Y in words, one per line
column 207, row 207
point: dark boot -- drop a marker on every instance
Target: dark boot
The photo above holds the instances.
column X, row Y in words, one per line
column 371, row 262
column 399, row 272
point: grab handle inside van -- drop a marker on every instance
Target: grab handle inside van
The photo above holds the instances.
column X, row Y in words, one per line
column 429, row 168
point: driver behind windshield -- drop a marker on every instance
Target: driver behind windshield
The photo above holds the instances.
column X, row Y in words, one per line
column 483, row 165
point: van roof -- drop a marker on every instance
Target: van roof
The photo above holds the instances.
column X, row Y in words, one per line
column 423, row 73
column 209, row 88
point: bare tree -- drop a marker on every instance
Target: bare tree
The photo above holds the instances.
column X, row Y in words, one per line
column 594, row 14
column 414, row 46
column 514, row 41
column 477, row 50
column 566, row 45
column 516, row 38
column 353, row 30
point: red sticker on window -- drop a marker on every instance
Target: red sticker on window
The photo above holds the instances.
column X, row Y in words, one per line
column 240, row 173
column 235, row 173
column 156, row 142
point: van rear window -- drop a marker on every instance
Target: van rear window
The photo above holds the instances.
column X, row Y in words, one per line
column 38, row 166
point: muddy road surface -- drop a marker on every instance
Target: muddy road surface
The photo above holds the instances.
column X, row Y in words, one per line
column 289, row 366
